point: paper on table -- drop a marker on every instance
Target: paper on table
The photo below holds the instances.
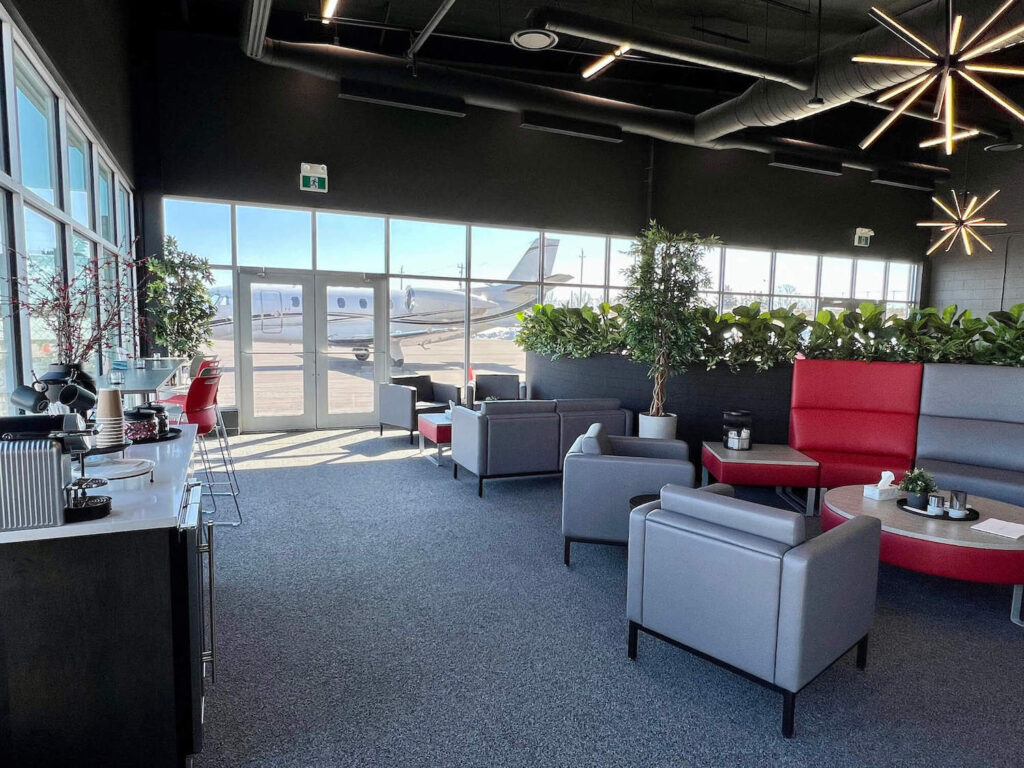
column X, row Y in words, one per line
column 1000, row 528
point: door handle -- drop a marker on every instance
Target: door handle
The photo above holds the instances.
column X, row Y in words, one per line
column 207, row 654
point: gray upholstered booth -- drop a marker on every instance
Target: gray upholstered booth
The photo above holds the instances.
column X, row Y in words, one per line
column 500, row 386
column 510, row 438
column 603, row 472
column 971, row 430
column 738, row 584
column 406, row 397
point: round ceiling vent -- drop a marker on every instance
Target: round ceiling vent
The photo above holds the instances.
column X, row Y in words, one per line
column 1004, row 146
column 534, row 39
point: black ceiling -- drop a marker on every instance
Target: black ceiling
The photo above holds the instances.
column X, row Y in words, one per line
column 783, row 30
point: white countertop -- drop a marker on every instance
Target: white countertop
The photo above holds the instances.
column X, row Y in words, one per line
column 138, row 504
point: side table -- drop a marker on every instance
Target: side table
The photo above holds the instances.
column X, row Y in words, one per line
column 764, row 464
column 437, row 428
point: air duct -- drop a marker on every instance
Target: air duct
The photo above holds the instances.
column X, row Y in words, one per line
column 779, row 97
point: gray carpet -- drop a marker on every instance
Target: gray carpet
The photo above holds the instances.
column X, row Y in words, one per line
column 375, row 612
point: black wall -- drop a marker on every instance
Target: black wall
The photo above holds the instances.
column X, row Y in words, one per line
column 89, row 45
column 232, row 128
column 985, row 281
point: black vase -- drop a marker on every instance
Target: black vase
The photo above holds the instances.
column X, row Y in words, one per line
column 917, row 500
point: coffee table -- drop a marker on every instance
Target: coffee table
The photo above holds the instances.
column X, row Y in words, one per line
column 764, row 464
column 946, row 548
column 437, row 428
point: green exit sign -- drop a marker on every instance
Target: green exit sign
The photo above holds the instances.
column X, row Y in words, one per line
column 313, row 177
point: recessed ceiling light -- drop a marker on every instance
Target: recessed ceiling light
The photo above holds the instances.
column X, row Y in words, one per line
column 1004, row 146
column 534, row 39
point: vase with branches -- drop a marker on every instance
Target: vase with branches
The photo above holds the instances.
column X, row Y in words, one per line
column 82, row 313
column 661, row 328
column 179, row 300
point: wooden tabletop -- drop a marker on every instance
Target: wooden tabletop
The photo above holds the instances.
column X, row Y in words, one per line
column 760, row 453
column 849, row 501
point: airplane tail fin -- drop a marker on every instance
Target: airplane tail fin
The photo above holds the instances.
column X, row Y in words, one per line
column 525, row 271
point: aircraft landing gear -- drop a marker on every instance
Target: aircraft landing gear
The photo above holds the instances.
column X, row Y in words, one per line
column 362, row 355
column 397, row 355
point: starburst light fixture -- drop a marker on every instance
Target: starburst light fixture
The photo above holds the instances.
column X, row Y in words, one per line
column 962, row 223
column 956, row 55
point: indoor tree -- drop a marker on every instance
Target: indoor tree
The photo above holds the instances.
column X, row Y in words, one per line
column 180, row 304
column 660, row 302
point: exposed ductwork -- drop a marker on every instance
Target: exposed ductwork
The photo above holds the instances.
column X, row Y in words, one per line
column 780, row 98
column 671, row 46
column 391, row 74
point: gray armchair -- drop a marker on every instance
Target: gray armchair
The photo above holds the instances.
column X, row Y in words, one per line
column 738, row 584
column 403, row 400
column 498, row 385
column 603, row 472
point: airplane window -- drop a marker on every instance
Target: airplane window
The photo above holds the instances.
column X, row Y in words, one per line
column 295, row 301
column 362, row 303
column 341, row 303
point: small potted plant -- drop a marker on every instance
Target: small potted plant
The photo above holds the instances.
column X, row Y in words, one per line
column 918, row 483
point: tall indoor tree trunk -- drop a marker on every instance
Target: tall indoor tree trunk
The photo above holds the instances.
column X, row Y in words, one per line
column 660, row 375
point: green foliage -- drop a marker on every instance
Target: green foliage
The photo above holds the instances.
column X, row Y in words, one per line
column 1002, row 342
column 571, row 331
column 179, row 300
column 918, row 480
column 748, row 335
column 866, row 333
column 664, row 281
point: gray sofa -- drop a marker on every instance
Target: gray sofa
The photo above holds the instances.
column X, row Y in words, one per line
column 601, row 473
column 403, row 400
column 510, row 438
column 970, row 434
column 502, row 386
column 738, row 584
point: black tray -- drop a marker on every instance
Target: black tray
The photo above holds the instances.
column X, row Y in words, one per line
column 95, row 507
column 172, row 434
column 972, row 513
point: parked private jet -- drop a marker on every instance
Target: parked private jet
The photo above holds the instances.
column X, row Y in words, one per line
column 425, row 314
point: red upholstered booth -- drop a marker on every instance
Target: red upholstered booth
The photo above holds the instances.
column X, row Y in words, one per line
column 856, row 419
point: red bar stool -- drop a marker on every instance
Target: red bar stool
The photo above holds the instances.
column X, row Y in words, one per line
column 199, row 408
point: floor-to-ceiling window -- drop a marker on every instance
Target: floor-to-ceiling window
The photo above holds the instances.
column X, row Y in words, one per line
column 454, row 289
column 65, row 209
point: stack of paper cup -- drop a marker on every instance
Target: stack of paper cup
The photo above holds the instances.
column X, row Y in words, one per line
column 109, row 419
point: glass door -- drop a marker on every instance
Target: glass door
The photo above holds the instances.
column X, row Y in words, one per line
column 350, row 319
column 277, row 365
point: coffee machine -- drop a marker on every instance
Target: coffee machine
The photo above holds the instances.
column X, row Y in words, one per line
column 37, row 488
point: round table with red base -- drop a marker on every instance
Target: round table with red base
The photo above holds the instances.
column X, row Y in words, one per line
column 948, row 548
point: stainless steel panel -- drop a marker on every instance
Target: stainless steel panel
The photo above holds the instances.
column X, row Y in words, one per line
column 33, row 474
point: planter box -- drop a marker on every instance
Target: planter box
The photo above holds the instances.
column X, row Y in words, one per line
column 698, row 396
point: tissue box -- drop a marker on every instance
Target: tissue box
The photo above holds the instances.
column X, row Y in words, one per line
column 882, row 494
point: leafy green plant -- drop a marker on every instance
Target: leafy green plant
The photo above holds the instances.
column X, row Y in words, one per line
column 764, row 339
column 947, row 336
column 866, row 333
column 1002, row 342
column 918, row 480
column 661, row 328
column 179, row 300
column 570, row 331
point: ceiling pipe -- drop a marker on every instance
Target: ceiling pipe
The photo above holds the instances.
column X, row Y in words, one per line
column 840, row 80
column 428, row 30
column 255, row 16
column 671, row 46
column 487, row 91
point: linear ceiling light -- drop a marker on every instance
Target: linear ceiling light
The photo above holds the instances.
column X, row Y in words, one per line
column 962, row 223
column 584, row 129
column 604, row 62
column 330, row 8
column 943, row 65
